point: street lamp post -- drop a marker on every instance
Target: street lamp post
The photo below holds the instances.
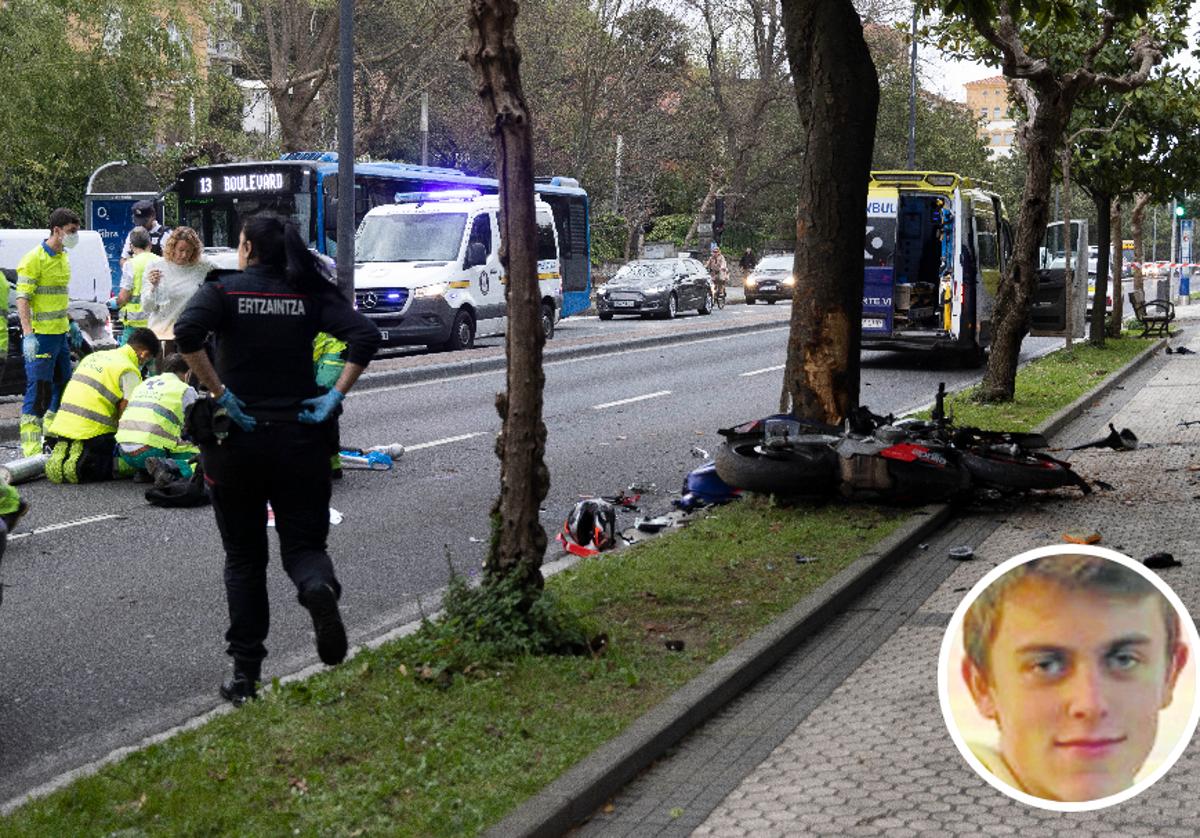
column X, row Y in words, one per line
column 345, row 186
column 912, row 93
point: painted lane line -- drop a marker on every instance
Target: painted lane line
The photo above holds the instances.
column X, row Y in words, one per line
column 632, row 400
column 367, row 389
column 63, row 526
column 760, row 372
column 445, row 441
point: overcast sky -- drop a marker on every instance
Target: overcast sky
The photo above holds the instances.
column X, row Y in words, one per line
column 947, row 77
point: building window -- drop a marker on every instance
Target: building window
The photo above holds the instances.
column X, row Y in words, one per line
column 983, row 112
column 1008, row 139
column 995, row 113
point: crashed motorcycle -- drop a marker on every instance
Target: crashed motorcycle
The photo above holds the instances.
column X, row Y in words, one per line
column 881, row 458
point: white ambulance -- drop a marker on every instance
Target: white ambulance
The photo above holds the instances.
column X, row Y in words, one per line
column 427, row 269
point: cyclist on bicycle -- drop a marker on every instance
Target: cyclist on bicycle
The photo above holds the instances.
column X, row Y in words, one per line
column 718, row 270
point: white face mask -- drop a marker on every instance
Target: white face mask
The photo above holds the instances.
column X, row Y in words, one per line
column 70, row 240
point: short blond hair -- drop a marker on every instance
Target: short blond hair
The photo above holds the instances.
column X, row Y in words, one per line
column 186, row 239
column 1092, row 574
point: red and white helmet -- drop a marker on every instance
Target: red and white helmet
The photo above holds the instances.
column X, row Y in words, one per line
column 590, row 528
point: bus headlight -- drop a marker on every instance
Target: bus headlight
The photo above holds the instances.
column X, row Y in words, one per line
column 438, row 289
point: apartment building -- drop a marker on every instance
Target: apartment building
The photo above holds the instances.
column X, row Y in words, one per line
column 987, row 99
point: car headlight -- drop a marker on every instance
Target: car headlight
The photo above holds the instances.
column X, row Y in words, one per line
column 751, row 281
column 436, row 290
column 791, row 280
column 655, row 289
column 601, row 292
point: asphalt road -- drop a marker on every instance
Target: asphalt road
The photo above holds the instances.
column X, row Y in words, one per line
column 114, row 613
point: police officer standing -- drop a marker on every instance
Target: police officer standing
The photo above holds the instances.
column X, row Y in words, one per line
column 145, row 217
column 265, row 319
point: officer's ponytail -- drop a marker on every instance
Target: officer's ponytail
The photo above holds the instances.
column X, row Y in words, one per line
column 276, row 242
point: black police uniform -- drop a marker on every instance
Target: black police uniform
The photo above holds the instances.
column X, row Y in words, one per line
column 264, row 328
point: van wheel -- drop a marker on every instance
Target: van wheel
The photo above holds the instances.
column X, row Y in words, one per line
column 547, row 320
column 462, row 333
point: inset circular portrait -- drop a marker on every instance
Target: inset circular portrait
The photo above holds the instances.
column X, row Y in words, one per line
column 1068, row 678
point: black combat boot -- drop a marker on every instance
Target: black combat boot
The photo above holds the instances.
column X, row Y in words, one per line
column 321, row 603
column 243, row 685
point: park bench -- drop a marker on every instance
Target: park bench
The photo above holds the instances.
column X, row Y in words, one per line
column 1154, row 317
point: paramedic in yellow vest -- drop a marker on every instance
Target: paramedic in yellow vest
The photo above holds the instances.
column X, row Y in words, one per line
column 329, row 359
column 152, row 425
column 11, row 505
column 43, row 279
column 83, row 433
column 129, row 300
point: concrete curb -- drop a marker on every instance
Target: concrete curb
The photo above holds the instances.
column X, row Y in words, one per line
column 584, row 788
column 10, row 428
column 1068, row 414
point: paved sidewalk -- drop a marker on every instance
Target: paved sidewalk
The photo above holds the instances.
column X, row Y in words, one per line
column 846, row 736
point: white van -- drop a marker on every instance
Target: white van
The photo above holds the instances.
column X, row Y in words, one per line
column 427, row 269
column 91, row 278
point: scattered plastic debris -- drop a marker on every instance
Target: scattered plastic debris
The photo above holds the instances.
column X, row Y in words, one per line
column 923, row 546
column 1081, row 537
column 652, row 524
column 803, row 559
column 703, row 487
column 962, row 554
column 699, row 452
column 1183, row 350
column 1160, row 561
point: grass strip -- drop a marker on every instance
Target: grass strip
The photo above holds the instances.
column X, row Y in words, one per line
column 379, row 747
column 1045, row 386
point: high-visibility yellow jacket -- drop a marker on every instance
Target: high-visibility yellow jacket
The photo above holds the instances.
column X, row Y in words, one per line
column 132, row 315
column 329, row 359
column 43, row 278
column 154, row 415
column 89, row 403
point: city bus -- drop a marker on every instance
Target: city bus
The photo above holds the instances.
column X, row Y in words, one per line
column 303, row 186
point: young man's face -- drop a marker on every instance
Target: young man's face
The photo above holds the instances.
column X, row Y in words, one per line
column 1076, row 683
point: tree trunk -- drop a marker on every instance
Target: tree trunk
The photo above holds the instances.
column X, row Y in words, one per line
column 837, row 93
column 1115, row 270
column 1069, row 275
column 1140, row 201
column 1103, row 203
column 714, row 186
column 518, row 541
column 1019, row 280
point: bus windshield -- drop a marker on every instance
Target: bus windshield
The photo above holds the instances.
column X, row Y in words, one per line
column 218, row 220
column 423, row 237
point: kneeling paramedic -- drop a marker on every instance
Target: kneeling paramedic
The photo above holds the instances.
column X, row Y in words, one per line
column 83, row 433
column 151, row 428
column 284, row 430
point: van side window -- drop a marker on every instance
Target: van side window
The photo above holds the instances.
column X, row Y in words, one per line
column 987, row 236
column 545, row 240
column 481, row 231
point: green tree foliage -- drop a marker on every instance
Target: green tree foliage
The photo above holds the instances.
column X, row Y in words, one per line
column 83, row 83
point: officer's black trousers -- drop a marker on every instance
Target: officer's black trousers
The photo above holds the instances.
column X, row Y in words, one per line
column 287, row 464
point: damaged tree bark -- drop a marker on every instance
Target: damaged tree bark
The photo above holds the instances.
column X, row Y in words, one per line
column 1096, row 324
column 837, row 93
column 1117, row 269
column 518, row 539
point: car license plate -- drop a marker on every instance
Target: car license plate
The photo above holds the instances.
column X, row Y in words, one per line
column 622, row 303
column 875, row 323
column 383, row 335
column 768, row 286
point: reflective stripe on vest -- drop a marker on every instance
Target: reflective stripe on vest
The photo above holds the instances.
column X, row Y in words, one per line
column 89, row 403
column 42, row 279
column 154, row 416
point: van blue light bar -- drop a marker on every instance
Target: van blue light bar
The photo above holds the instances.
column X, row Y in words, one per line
column 441, row 195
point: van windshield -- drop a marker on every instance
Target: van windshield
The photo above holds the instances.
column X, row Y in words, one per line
column 424, row 237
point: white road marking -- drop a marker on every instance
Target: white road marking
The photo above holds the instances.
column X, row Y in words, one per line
column 760, row 372
column 63, row 526
column 445, row 441
column 367, row 389
column 632, row 400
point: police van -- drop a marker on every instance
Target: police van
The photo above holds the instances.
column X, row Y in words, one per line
column 427, row 269
column 936, row 246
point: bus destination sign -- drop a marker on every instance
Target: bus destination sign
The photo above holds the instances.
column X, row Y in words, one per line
column 239, row 182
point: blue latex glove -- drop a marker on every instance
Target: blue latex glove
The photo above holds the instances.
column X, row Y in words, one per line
column 29, row 348
column 320, row 408
column 233, row 406
column 75, row 336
